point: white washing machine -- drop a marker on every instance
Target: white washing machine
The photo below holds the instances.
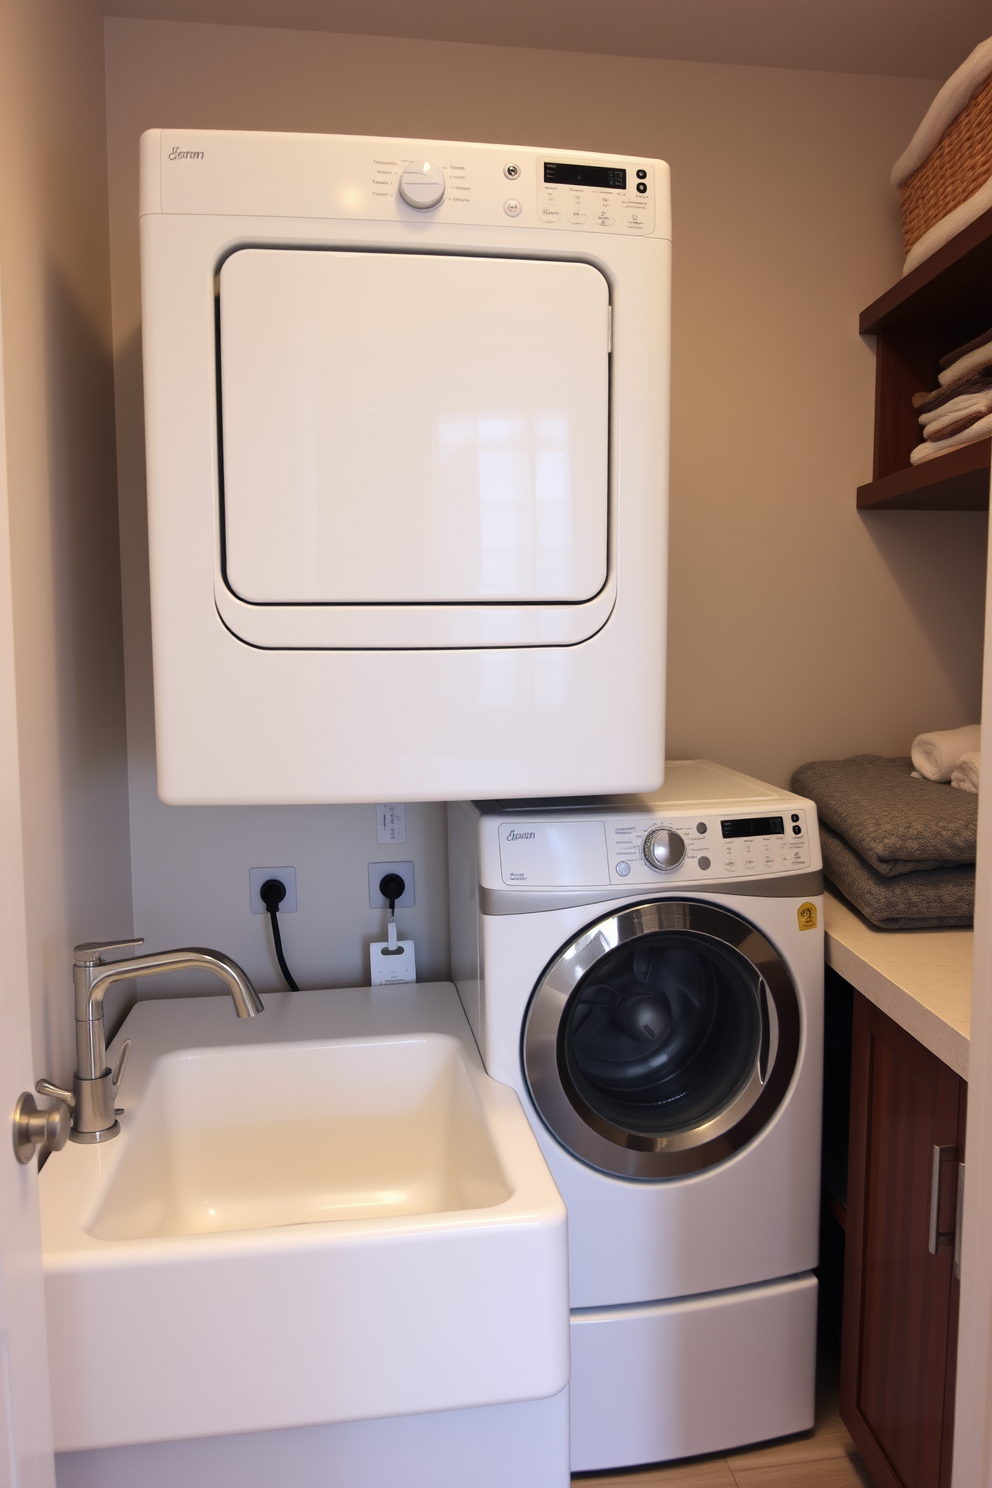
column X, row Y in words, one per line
column 647, row 974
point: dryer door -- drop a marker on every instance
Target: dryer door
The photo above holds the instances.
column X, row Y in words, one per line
column 413, row 429
column 662, row 1039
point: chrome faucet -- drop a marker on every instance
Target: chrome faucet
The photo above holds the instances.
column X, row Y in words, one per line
column 94, row 1088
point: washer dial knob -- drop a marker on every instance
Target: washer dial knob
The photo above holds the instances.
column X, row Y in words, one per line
column 663, row 849
column 422, row 185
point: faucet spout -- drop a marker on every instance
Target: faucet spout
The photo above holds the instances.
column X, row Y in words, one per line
column 94, row 1117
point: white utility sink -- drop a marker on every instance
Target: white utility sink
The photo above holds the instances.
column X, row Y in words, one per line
column 327, row 1213
column 303, row 1133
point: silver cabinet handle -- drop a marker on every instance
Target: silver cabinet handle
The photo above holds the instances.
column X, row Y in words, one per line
column 938, row 1237
column 959, row 1215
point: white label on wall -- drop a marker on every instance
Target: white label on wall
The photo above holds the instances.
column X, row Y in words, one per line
column 392, row 966
column 390, row 817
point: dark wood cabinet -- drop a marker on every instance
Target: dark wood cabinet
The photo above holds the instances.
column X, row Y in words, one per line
column 900, row 1289
column 939, row 306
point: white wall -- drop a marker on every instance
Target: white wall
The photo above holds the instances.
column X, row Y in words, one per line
column 798, row 628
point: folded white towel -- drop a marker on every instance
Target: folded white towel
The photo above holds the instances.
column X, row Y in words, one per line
column 931, row 448
column 972, row 361
column 937, row 754
column 954, row 409
column 952, row 98
column 965, row 773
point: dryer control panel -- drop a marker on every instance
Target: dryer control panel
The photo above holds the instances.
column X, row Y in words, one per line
column 351, row 178
column 620, row 851
column 595, row 198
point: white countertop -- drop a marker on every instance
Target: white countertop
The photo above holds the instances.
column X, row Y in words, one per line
column 920, row 978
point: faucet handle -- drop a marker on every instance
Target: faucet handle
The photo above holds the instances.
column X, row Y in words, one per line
column 45, row 1087
column 90, row 952
column 118, row 1074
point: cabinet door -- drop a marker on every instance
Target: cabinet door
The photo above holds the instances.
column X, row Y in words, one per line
column 900, row 1297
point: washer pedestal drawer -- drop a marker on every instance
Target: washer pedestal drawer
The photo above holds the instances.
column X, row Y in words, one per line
column 664, row 1380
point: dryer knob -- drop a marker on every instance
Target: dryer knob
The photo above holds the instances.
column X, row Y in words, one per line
column 663, row 849
column 422, row 185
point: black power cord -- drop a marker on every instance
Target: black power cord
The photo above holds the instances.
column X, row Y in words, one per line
column 272, row 893
column 392, row 887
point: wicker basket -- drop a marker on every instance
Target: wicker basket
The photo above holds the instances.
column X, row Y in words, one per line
column 954, row 170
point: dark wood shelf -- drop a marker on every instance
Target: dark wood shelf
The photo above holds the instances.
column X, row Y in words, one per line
column 942, row 304
column 957, row 481
column 932, row 295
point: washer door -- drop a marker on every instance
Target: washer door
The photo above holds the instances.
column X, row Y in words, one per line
column 662, row 1039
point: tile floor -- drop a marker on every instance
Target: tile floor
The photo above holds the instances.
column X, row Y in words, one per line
column 825, row 1457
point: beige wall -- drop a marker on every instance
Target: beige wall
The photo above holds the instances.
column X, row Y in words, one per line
column 798, row 628
column 58, row 405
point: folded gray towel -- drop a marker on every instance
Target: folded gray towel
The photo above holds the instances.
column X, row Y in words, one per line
column 934, row 899
column 897, row 824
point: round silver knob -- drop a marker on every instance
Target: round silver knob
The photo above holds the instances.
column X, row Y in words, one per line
column 33, row 1128
column 663, row 849
column 422, row 185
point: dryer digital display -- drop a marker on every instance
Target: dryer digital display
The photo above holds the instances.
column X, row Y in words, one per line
column 607, row 177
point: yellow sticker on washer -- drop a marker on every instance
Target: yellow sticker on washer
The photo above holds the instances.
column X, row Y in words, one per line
column 806, row 915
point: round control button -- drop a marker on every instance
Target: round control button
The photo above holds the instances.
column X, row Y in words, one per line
column 512, row 207
column 642, row 187
column 422, row 185
column 795, row 816
column 623, row 869
column 701, row 828
column 642, row 175
column 663, row 849
column 704, row 863
column 798, row 831
column 511, row 171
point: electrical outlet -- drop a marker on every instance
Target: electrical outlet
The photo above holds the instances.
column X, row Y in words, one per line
column 378, row 871
column 258, row 876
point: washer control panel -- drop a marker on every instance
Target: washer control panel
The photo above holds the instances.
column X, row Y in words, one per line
column 635, row 851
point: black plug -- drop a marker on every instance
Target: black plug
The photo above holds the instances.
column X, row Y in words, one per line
column 272, row 893
column 391, row 887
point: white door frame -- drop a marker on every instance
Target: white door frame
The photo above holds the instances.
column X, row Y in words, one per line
column 26, row 1459
column 973, row 1414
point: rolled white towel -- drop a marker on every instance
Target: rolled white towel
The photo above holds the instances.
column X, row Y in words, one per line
column 935, row 755
column 964, row 776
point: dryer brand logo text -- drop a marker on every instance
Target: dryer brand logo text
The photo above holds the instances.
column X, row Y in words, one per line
column 176, row 154
column 513, row 836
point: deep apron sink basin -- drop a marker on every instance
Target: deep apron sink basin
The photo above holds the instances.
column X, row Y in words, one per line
column 328, row 1213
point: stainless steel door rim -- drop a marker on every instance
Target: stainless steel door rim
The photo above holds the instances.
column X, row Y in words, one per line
column 617, row 1146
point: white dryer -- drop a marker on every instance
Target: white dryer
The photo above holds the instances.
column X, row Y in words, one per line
column 648, row 976
column 406, row 417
